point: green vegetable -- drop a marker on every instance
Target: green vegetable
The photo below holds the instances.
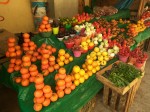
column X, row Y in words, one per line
column 123, row 74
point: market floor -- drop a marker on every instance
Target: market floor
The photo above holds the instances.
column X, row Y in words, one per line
column 8, row 97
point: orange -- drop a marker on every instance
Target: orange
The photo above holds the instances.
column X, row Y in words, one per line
column 67, row 90
column 38, row 93
column 26, row 40
column 60, row 93
column 10, row 70
column 26, row 35
column 67, row 55
column 25, row 82
column 17, row 47
column 48, row 26
column 11, row 40
column 54, row 97
column 18, row 80
column 53, row 50
column 61, row 63
column 56, row 66
column 11, row 49
column 37, row 107
column 24, row 70
column 25, row 58
column 42, row 26
column 62, row 71
column 45, row 18
column 66, row 61
column 52, row 58
column 46, row 89
column 52, row 63
column 45, row 23
column 60, row 82
column 46, row 102
column 51, row 69
column 12, row 60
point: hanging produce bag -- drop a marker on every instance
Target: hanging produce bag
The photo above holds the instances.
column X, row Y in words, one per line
column 39, row 10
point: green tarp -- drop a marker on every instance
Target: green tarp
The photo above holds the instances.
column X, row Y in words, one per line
column 70, row 103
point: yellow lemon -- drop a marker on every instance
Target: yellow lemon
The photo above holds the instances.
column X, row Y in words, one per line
column 104, row 53
column 88, row 40
column 83, row 43
column 103, row 63
column 94, row 70
column 62, row 58
column 77, row 76
column 61, row 63
column 89, row 67
column 89, row 73
column 76, row 82
column 61, row 52
column 89, row 61
column 100, row 58
column 70, row 58
column 97, row 68
column 86, row 76
column 81, row 80
column 76, row 69
column 106, row 58
column 95, row 57
column 81, row 72
column 98, row 53
column 96, row 49
column 87, row 56
column 83, row 66
column 66, row 61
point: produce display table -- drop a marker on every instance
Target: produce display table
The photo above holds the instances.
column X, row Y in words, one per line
column 80, row 96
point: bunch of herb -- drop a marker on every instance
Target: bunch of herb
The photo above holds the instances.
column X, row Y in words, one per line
column 122, row 74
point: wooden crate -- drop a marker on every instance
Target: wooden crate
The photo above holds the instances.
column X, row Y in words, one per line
column 118, row 99
column 89, row 106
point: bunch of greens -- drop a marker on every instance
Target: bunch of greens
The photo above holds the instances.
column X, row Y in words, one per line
column 122, row 74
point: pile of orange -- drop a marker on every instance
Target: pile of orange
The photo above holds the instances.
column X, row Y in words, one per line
column 27, row 75
column 43, row 94
column 28, row 46
column 26, row 61
column 48, row 63
column 64, row 83
column 45, row 26
column 13, row 49
column 63, row 58
column 14, row 65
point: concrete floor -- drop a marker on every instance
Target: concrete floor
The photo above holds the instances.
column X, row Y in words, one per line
column 8, row 98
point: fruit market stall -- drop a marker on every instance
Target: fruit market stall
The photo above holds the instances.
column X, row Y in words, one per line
column 48, row 67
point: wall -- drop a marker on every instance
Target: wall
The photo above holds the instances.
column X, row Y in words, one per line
column 18, row 16
column 62, row 8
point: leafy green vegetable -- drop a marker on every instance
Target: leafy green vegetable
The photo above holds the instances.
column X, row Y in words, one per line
column 122, row 74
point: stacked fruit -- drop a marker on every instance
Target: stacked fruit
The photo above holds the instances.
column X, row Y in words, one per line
column 63, row 58
column 87, row 45
column 64, row 83
column 134, row 29
column 48, row 64
column 45, row 26
column 79, row 75
column 29, row 46
column 83, row 17
column 42, row 94
column 13, row 49
column 97, row 58
column 28, row 71
column 14, row 65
